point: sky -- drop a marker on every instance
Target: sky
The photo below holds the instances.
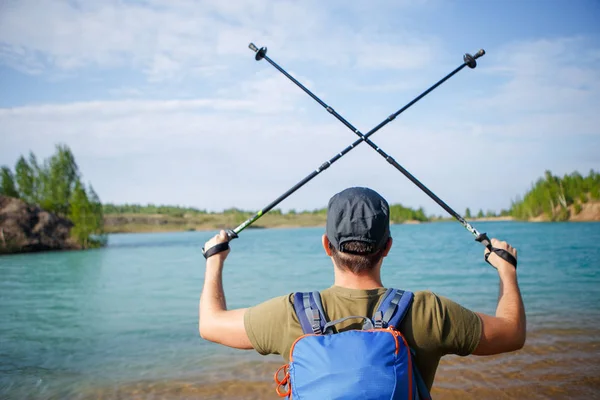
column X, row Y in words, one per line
column 162, row 101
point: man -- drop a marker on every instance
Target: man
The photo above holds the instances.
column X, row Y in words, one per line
column 357, row 239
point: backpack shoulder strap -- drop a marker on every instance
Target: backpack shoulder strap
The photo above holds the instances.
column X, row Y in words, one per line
column 309, row 310
column 393, row 308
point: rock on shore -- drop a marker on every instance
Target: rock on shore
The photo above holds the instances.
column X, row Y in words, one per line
column 27, row 228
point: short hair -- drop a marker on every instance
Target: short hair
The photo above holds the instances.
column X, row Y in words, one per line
column 357, row 256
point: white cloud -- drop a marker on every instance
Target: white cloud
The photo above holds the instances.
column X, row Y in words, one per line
column 211, row 157
column 171, row 40
column 545, row 76
column 124, row 107
column 247, row 138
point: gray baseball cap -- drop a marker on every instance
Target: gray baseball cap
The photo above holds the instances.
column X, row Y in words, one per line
column 358, row 214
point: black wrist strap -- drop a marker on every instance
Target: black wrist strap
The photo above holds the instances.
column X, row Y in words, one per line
column 505, row 255
column 219, row 247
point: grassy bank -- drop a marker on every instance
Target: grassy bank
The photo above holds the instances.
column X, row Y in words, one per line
column 116, row 223
column 138, row 223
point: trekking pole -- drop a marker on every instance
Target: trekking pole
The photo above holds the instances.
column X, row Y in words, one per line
column 233, row 233
column 469, row 61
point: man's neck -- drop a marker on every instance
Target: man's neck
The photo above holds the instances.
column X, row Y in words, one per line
column 345, row 279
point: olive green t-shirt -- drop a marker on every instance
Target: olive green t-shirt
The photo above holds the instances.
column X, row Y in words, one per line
column 433, row 327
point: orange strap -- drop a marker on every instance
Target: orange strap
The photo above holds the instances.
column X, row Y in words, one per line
column 281, row 384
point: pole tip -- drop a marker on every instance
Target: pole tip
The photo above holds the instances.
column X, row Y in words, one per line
column 253, row 47
column 480, row 53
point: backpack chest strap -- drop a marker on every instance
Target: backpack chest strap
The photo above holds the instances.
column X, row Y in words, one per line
column 310, row 313
column 393, row 308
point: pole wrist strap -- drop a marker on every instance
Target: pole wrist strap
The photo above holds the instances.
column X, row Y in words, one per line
column 218, row 248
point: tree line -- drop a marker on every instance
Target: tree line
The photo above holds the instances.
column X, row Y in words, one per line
column 553, row 196
column 55, row 186
column 486, row 214
column 398, row 213
column 174, row 211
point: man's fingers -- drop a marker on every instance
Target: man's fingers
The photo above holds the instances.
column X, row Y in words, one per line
column 502, row 245
column 220, row 237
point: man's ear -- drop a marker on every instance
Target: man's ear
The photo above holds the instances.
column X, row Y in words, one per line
column 388, row 246
column 325, row 242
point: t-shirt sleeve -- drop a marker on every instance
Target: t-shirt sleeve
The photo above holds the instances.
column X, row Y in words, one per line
column 459, row 327
column 262, row 328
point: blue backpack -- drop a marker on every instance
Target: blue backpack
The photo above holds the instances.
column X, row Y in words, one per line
column 373, row 363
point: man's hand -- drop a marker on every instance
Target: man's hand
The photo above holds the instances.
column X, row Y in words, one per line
column 221, row 237
column 497, row 262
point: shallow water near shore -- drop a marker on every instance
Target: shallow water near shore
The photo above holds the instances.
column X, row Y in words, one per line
column 121, row 322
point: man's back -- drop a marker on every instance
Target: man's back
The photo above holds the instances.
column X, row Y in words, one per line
column 433, row 327
column 357, row 239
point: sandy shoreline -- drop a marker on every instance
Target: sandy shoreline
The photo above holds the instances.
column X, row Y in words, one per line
column 555, row 363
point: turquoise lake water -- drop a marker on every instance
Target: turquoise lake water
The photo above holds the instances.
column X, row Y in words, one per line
column 128, row 312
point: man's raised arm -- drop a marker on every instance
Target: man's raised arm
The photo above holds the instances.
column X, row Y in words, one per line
column 216, row 323
column 507, row 330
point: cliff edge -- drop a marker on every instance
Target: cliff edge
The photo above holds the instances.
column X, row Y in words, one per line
column 27, row 228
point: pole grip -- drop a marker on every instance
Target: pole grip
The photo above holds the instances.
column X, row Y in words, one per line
column 220, row 247
column 485, row 240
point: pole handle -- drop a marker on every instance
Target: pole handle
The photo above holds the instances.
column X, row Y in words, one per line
column 505, row 255
column 220, row 247
column 260, row 53
column 470, row 60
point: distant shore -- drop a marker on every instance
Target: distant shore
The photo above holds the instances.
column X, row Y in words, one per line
column 140, row 223
column 144, row 223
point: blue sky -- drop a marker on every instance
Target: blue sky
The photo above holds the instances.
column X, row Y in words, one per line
column 162, row 101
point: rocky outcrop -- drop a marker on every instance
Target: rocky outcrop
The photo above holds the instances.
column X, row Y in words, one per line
column 587, row 212
column 27, row 228
column 590, row 211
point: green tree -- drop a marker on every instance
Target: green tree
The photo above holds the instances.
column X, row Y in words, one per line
column 552, row 195
column 399, row 214
column 562, row 214
column 98, row 221
column 61, row 175
column 26, row 179
column 7, row 183
column 480, row 213
column 86, row 215
column 56, row 187
column 419, row 215
column 81, row 215
column 468, row 213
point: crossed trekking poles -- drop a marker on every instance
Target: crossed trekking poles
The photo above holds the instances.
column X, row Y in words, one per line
column 468, row 60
